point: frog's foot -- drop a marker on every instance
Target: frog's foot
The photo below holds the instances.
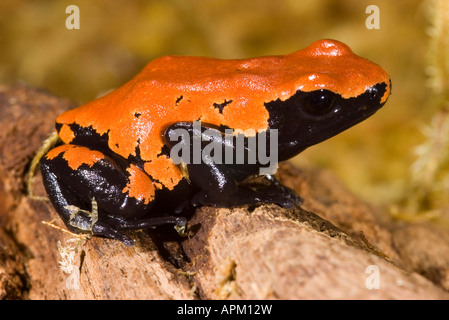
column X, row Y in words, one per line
column 277, row 187
column 83, row 219
column 244, row 196
column 105, row 230
column 112, row 226
column 87, row 221
column 180, row 223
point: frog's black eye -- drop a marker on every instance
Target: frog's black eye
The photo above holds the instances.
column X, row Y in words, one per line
column 318, row 103
column 373, row 93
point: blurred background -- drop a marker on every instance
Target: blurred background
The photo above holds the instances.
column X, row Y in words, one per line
column 398, row 158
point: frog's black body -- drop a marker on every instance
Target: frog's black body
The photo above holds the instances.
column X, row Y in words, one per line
column 303, row 120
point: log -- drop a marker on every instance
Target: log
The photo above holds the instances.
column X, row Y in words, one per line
column 335, row 246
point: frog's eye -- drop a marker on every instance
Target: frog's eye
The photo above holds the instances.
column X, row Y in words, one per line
column 373, row 93
column 318, row 103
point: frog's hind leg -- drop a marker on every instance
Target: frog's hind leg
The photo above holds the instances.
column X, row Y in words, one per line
column 180, row 223
column 93, row 193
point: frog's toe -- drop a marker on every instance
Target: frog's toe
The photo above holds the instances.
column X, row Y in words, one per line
column 104, row 230
column 276, row 198
column 294, row 197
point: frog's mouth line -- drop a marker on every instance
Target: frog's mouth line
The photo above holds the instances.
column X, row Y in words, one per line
column 365, row 116
column 366, row 111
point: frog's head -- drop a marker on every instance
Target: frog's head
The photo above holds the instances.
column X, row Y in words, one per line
column 335, row 90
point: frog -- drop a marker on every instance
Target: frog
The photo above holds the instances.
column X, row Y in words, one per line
column 111, row 167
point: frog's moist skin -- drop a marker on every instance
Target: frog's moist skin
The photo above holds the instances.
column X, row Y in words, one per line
column 115, row 150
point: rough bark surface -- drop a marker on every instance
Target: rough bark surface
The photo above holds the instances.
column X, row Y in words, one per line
column 322, row 250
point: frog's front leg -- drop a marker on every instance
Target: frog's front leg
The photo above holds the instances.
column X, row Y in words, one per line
column 78, row 180
column 218, row 181
column 289, row 193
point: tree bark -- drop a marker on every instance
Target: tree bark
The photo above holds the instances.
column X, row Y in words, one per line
column 334, row 247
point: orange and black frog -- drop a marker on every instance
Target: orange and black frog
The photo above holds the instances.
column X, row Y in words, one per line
column 184, row 132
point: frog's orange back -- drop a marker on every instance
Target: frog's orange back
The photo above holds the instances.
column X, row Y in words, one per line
column 174, row 88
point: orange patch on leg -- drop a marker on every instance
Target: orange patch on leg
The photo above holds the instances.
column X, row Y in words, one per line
column 66, row 134
column 140, row 185
column 167, row 172
column 75, row 155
